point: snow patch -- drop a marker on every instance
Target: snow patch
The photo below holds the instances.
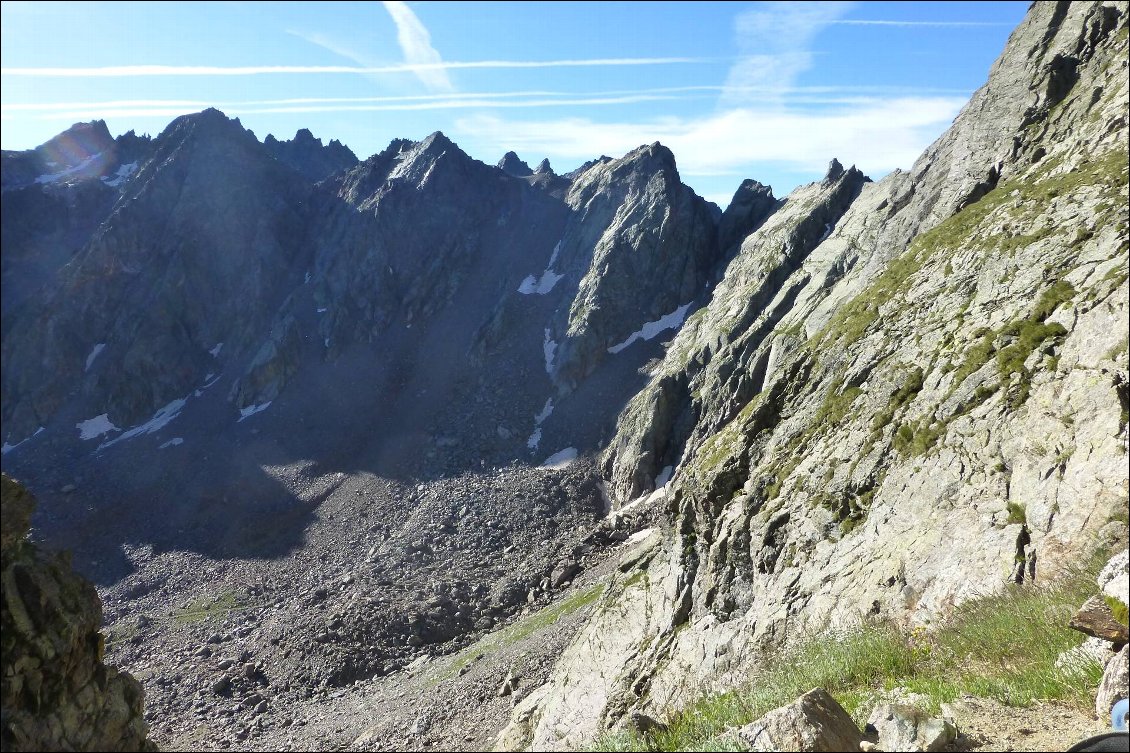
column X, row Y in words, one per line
column 664, row 476
column 55, row 177
column 534, row 286
column 216, row 351
column 549, row 348
column 172, row 443
column 638, row 536
column 560, row 460
column 323, row 310
column 251, row 410
column 828, row 228
column 159, row 420
column 93, row 428
column 306, row 280
column 532, row 442
column 6, row 448
column 124, row 171
column 650, row 329
column 539, row 419
column 94, row 354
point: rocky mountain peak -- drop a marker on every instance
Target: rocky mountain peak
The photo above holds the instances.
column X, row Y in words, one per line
column 511, row 164
column 835, row 172
column 543, row 168
column 753, row 202
column 307, row 156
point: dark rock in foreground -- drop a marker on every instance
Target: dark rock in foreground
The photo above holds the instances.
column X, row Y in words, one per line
column 57, row 693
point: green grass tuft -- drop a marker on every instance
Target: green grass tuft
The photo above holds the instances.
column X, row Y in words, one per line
column 1003, row 646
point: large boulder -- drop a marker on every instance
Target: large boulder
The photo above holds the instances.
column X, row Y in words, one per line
column 813, row 722
column 903, row 727
column 1115, row 685
column 57, row 694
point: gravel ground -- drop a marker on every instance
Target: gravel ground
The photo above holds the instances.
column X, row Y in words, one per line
column 394, row 625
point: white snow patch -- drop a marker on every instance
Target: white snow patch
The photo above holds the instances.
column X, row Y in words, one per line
column 95, row 427
column 549, row 348
column 545, row 411
column 326, row 342
column 651, row 329
column 828, row 228
column 664, row 476
column 53, row 177
column 216, row 351
column 160, row 418
column 532, row 442
column 323, row 310
column 534, row 286
column 94, row 354
column 251, row 410
column 560, row 460
column 6, row 448
column 124, row 171
column 172, row 443
column 638, row 536
column 306, row 280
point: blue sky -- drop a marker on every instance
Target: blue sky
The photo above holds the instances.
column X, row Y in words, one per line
column 770, row 91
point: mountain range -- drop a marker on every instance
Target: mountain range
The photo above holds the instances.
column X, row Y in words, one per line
column 390, row 405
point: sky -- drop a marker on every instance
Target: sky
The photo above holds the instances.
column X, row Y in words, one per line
column 765, row 90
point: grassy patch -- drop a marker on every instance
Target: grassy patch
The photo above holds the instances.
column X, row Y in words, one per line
column 209, row 607
column 511, row 634
column 1002, row 647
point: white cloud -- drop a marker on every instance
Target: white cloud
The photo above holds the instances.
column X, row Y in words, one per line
column 773, row 43
column 877, row 136
column 125, row 71
column 416, row 43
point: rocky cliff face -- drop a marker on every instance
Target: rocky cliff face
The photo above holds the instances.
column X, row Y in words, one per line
column 58, row 695
column 901, row 394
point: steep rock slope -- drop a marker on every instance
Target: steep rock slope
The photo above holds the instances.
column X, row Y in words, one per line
column 886, row 410
column 58, row 695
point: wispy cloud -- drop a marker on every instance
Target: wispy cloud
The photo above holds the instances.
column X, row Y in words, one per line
column 798, row 95
column 118, row 71
column 933, row 24
column 773, row 42
column 416, row 44
column 157, row 108
column 877, row 136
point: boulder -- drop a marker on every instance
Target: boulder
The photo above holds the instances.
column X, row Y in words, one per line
column 813, row 722
column 1095, row 618
column 1115, row 685
column 903, row 727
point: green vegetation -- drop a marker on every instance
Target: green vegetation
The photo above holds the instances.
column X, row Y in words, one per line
column 1003, row 647
column 1016, row 513
column 909, row 389
column 1118, row 609
column 209, row 607
column 511, row 634
column 831, row 412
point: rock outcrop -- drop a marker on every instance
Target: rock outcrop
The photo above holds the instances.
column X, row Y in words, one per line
column 58, row 695
column 901, row 394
